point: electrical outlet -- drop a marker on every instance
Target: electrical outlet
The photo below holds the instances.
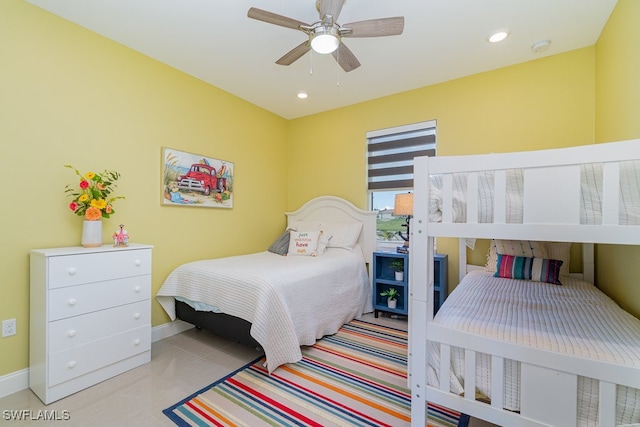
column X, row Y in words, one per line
column 8, row 327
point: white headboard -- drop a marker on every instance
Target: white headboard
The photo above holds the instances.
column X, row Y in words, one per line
column 333, row 209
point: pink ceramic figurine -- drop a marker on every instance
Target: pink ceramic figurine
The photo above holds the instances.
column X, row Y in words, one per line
column 120, row 238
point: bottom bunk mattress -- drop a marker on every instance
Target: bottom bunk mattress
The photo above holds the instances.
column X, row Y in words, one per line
column 575, row 319
column 289, row 300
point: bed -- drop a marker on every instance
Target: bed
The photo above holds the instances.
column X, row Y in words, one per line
column 543, row 354
column 282, row 302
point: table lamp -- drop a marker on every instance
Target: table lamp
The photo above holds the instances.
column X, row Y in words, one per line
column 403, row 206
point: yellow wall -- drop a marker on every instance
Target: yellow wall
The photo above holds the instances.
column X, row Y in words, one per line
column 618, row 118
column 536, row 105
column 68, row 95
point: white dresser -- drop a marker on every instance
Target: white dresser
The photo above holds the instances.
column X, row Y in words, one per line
column 90, row 316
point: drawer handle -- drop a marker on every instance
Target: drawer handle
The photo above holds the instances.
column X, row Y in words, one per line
column 136, row 316
column 138, row 262
column 137, row 289
column 72, row 271
column 71, row 364
column 72, row 302
column 136, row 342
column 71, row 333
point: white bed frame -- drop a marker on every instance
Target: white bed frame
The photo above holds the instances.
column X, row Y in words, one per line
column 332, row 209
column 548, row 383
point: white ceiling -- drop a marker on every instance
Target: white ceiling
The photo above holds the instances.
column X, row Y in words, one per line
column 214, row 41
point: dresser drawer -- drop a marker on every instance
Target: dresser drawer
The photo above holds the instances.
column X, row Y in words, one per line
column 77, row 300
column 80, row 330
column 77, row 269
column 80, row 360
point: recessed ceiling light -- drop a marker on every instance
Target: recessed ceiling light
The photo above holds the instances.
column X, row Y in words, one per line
column 303, row 95
column 498, row 36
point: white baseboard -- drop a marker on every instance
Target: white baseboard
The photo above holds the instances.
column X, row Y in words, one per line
column 19, row 380
column 167, row 329
column 14, row 382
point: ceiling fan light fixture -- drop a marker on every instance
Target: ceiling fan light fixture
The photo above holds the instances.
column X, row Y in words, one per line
column 325, row 39
column 325, row 36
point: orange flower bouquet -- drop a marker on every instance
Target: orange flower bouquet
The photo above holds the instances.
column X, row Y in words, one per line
column 92, row 196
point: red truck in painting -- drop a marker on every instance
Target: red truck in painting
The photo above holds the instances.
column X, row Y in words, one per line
column 203, row 178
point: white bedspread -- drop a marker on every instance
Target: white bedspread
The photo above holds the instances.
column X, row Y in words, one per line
column 290, row 301
column 575, row 319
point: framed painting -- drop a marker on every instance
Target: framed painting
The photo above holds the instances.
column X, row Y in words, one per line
column 195, row 180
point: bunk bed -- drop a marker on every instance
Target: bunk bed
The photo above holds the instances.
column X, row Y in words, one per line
column 530, row 373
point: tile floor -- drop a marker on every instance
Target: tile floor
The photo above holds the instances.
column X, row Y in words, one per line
column 180, row 365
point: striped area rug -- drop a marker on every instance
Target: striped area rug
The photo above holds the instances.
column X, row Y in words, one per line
column 357, row 377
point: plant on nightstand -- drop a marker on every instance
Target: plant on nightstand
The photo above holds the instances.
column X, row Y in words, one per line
column 392, row 296
column 398, row 266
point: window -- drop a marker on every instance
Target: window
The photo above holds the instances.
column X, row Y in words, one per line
column 390, row 172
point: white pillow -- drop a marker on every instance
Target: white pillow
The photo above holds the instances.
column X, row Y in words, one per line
column 305, row 225
column 342, row 234
column 303, row 243
column 338, row 234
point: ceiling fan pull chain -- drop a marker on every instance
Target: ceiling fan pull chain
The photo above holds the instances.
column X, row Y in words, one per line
column 338, row 72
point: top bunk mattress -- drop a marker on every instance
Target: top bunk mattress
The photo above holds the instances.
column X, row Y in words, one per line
column 591, row 196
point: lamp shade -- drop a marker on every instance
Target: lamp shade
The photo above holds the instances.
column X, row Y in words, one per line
column 403, row 205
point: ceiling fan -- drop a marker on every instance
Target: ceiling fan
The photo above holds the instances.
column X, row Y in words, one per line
column 325, row 35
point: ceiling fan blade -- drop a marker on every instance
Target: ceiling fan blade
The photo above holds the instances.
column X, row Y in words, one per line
column 346, row 59
column 273, row 18
column 375, row 27
column 330, row 7
column 294, row 54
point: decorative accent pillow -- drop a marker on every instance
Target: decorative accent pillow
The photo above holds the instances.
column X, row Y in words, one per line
column 561, row 251
column 281, row 245
column 303, row 243
column 521, row 248
column 323, row 242
column 534, row 269
column 531, row 249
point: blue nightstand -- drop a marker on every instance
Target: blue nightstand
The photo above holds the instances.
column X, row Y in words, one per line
column 384, row 278
column 440, row 283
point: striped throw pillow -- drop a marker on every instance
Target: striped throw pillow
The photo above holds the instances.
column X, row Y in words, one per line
column 524, row 268
column 281, row 245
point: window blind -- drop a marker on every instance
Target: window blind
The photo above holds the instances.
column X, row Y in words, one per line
column 391, row 152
